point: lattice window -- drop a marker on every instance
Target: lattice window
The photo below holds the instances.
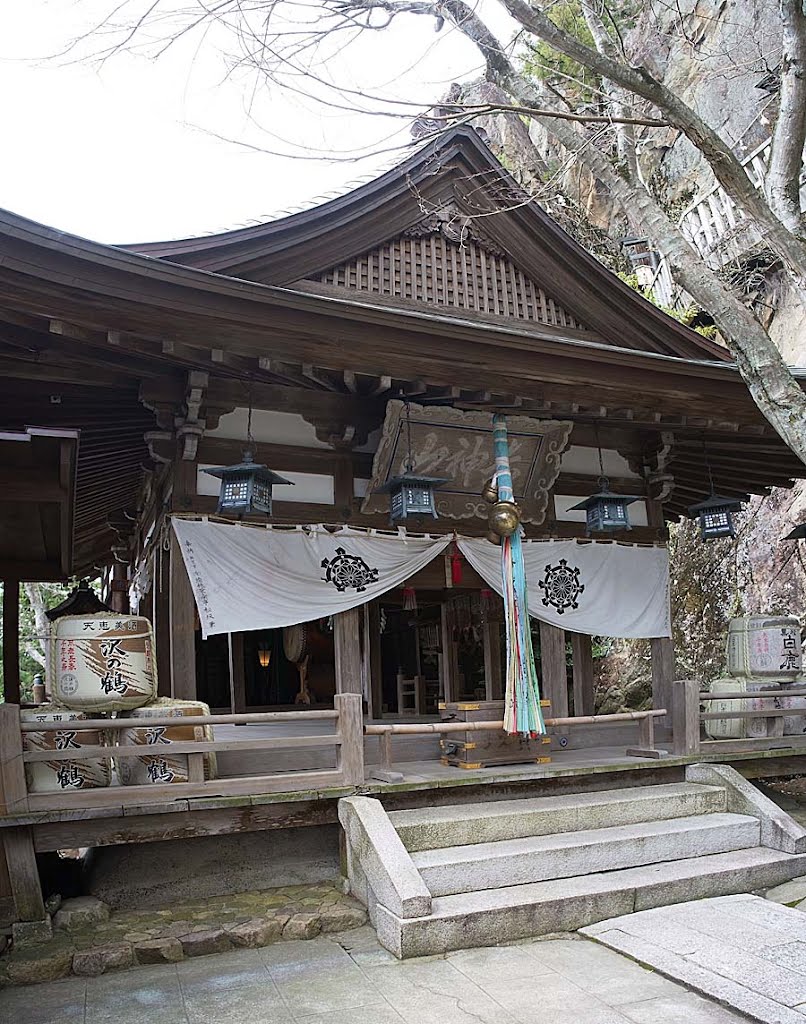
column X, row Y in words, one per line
column 433, row 269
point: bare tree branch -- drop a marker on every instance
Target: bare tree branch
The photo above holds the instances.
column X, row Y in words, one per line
column 726, row 167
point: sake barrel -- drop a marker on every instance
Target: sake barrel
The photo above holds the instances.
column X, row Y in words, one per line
column 761, row 727
column 160, row 767
column 765, row 647
column 62, row 776
column 103, row 662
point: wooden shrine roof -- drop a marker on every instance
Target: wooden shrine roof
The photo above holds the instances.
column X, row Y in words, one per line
column 455, row 173
column 307, row 311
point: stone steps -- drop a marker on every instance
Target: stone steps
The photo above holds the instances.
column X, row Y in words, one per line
column 442, row 878
column 516, row 862
column 487, row 916
column 431, row 828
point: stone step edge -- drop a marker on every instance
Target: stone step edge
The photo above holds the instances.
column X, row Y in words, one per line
column 451, row 813
column 564, row 841
column 597, row 898
column 607, row 881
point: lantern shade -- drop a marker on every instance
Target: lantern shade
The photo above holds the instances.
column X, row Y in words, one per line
column 264, row 654
column 605, row 511
column 246, row 487
column 411, row 495
column 716, row 516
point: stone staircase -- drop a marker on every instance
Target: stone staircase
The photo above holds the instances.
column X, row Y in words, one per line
column 442, row 878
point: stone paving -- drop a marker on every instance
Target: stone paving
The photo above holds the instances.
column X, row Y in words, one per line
column 347, row 978
column 747, row 952
column 88, row 939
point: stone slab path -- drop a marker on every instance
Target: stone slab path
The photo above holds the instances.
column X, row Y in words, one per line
column 744, row 951
column 348, row 978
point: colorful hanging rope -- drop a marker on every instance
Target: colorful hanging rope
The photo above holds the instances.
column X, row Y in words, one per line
column 522, row 712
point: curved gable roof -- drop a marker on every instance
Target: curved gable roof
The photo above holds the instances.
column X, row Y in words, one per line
column 456, row 169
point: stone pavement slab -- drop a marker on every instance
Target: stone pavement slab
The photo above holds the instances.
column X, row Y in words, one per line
column 742, row 950
column 347, row 978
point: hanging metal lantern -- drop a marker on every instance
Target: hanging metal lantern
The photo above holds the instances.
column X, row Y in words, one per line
column 605, row 511
column 246, row 487
column 264, row 654
column 716, row 516
column 410, row 493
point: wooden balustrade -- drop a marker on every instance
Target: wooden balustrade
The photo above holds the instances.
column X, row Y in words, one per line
column 689, row 716
column 386, row 730
column 708, row 222
column 346, row 740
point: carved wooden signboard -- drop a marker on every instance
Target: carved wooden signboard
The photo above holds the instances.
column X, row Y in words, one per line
column 458, row 444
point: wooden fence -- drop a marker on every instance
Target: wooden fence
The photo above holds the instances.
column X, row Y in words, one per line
column 714, row 228
column 385, row 731
column 690, row 715
column 346, row 739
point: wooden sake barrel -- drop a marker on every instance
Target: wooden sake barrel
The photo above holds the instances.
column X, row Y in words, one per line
column 160, row 767
column 63, row 776
column 764, row 647
column 103, row 662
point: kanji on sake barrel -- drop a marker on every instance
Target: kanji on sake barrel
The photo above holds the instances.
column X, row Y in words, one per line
column 103, row 662
column 59, row 775
column 159, row 765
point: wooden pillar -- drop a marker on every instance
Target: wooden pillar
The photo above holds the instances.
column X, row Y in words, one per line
column 17, row 843
column 662, row 674
column 449, row 664
column 347, row 644
column 685, row 716
column 11, row 641
column 237, row 676
column 662, row 648
column 23, row 873
column 553, row 670
column 119, row 588
column 372, row 658
column 582, row 654
column 182, row 618
column 491, row 639
column 350, row 756
column 160, row 620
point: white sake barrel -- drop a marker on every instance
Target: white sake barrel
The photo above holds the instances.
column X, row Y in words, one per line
column 763, row 646
column 159, row 767
column 63, row 776
column 103, row 662
column 762, row 727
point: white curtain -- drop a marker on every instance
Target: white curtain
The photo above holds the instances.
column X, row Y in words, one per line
column 246, row 578
column 601, row 589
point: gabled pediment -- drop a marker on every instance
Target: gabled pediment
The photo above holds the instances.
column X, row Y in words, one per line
column 446, row 260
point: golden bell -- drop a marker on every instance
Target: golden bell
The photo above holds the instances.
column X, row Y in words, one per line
column 504, row 518
column 489, row 492
column 493, row 538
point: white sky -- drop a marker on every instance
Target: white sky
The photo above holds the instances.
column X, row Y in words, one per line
column 123, row 152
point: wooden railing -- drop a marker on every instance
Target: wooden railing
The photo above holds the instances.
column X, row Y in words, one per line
column 385, row 731
column 715, row 228
column 689, row 717
column 346, row 739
